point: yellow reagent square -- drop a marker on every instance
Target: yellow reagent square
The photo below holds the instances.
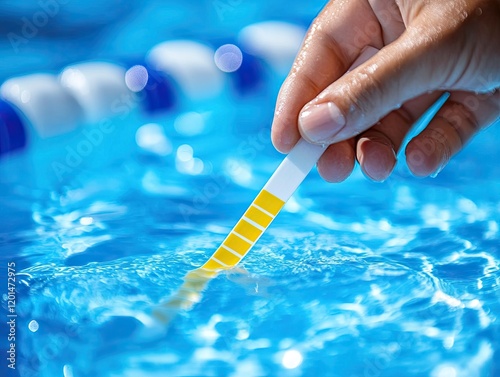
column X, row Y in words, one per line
column 237, row 244
column 213, row 265
column 226, row 257
column 269, row 202
column 200, row 274
column 247, row 230
column 258, row 216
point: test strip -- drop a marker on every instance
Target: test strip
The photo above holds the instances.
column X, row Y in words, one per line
column 247, row 231
column 268, row 203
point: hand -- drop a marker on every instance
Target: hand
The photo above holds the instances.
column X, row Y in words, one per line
column 426, row 47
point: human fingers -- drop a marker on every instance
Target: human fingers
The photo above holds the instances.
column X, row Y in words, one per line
column 375, row 149
column 337, row 162
column 408, row 67
column 328, row 50
column 464, row 115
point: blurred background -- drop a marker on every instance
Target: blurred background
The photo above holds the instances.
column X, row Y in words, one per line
column 48, row 46
column 134, row 143
column 40, row 35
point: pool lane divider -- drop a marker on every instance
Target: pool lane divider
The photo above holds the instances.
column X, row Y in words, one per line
column 254, row 222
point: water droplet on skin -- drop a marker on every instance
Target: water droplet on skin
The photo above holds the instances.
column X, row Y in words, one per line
column 479, row 11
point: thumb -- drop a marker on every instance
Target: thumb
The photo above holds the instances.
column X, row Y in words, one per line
column 399, row 72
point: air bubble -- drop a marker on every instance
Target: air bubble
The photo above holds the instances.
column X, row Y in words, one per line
column 292, row 359
column 228, row 58
column 33, row 326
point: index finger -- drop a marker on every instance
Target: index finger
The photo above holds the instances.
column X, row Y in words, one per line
column 328, row 50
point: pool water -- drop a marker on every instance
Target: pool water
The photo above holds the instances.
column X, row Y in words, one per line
column 356, row 279
column 353, row 279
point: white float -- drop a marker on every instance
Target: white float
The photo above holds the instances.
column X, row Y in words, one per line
column 99, row 88
column 49, row 108
column 275, row 42
column 191, row 65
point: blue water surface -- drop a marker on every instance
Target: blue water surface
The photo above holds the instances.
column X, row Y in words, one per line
column 356, row 279
column 361, row 279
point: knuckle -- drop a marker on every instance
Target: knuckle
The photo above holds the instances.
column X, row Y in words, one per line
column 461, row 117
column 365, row 93
column 311, row 83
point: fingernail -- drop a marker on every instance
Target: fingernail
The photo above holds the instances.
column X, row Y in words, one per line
column 438, row 170
column 377, row 159
column 321, row 122
column 444, row 159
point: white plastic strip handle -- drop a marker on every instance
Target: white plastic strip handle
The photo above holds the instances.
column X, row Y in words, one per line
column 302, row 158
column 294, row 168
